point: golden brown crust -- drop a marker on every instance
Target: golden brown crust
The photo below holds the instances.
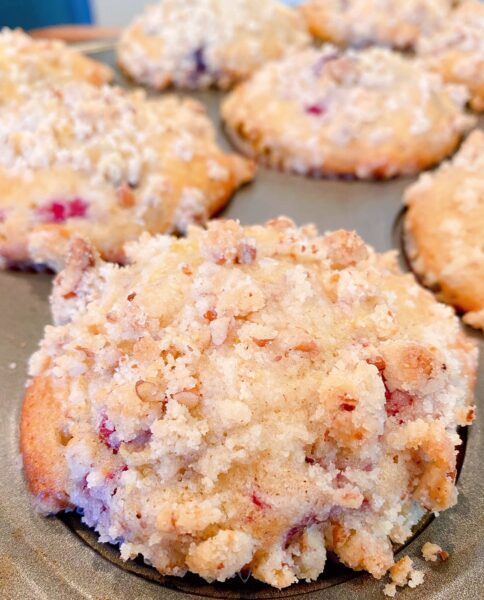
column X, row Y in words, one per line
column 443, row 230
column 377, row 165
column 369, row 22
column 42, row 447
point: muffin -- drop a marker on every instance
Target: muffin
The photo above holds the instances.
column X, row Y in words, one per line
column 362, row 114
column 444, row 227
column 105, row 164
column 456, row 50
column 393, row 23
column 206, row 43
column 247, row 399
column 27, row 64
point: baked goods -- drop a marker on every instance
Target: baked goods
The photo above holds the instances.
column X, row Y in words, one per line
column 367, row 114
column 444, row 227
column 456, row 50
column 433, row 552
column 394, row 23
column 105, row 164
column 403, row 574
column 246, row 399
column 202, row 43
column 26, row 63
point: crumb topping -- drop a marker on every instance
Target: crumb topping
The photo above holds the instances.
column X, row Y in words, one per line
column 206, row 42
column 463, row 32
column 247, row 398
column 387, row 22
column 318, row 104
column 402, row 574
column 108, row 164
column 432, row 552
column 26, row 63
column 456, row 50
column 108, row 133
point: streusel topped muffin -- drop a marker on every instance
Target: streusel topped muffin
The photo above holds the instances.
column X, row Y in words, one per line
column 106, row 164
column 444, row 229
column 394, row 23
column 199, row 43
column 456, row 50
column 26, row 63
column 367, row 114
column 247, row 398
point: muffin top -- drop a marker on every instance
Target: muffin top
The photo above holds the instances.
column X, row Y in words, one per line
column 196, row 44
column 245, row 398
column 456, row 50
column 26, row 64
column 395, row 23
column 369, row 113
column 107, row 164
column 444, row 227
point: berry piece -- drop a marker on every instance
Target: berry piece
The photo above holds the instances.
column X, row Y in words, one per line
column 59, row 211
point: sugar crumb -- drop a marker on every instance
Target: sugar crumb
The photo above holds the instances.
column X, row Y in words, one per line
column 403, row 574
column 390, row 590
column 432, row 552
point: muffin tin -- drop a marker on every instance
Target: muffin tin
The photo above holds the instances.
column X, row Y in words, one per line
column 60, row 559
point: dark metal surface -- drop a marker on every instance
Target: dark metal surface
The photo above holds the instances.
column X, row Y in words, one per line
column 59, row 559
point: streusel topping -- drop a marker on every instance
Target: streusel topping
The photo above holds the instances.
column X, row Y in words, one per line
column 464, row 31
column 204, row 42
column 319, row 103
column 108, row 164
column 456, row 50
column 444, row 229
column 26, row 64
column 246, row 398
column 108, row 133
column 394, row 23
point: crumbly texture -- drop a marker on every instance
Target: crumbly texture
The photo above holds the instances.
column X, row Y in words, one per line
column 403, row 574
column 433, row 552
column 365, row 114
column 456, row 50
column 27, row 64
column 106, row 164
column 248, row 399
column 394, row 23
column 200, row 43
column 444, row 227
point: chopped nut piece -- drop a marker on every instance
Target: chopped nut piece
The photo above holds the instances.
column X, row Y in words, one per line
column 149, row 391
column 126, row 196
column 309, row 346
column 188, row 399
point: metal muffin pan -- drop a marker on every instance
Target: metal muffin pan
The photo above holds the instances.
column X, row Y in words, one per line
column 58, row 558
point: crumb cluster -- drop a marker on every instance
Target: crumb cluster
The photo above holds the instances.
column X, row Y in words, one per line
column 403, row 574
